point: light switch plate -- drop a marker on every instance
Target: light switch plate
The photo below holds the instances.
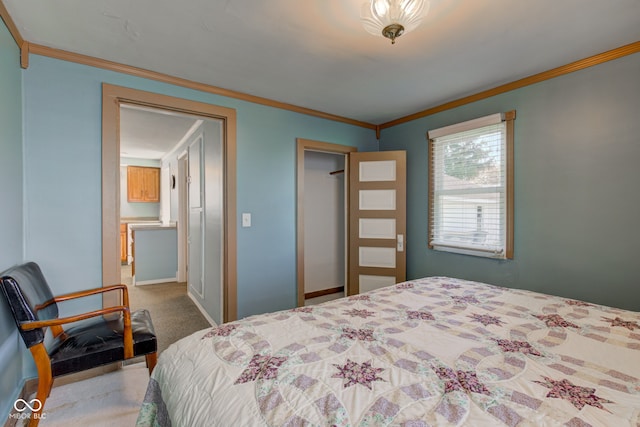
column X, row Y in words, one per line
column 246, row 220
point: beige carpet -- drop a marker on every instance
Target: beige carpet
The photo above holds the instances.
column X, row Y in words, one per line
column 173, row 314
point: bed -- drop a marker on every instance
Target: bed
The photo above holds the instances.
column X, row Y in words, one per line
column 431, row 352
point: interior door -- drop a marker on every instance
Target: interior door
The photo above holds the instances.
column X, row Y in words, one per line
column 195, row 233
column 377, row 220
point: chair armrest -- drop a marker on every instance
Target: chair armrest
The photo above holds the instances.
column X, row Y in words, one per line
column 37, row 324
column 88, row 292
column 127, row 332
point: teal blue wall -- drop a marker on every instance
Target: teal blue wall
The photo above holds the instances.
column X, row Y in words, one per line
column 156, row 254
column 62, row 143
column 577, row 150
column 11, row 231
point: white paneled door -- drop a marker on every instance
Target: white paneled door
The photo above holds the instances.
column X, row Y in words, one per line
column 195, row 237
column 377, row 220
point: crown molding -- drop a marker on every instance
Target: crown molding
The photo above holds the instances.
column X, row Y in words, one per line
column 24, row 55
column 527, row 81
column 26, row 48
column 153, row 75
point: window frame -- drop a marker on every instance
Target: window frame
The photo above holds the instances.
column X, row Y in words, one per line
column 508, row 118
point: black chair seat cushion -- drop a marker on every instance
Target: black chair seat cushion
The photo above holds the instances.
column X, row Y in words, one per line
column 99, row 342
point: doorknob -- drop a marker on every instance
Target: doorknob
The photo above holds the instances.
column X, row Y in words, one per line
column 400, row 246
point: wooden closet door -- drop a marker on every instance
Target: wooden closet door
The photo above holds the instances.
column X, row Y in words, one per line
column 377, row 220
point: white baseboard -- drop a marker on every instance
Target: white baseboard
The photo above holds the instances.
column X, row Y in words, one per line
column 153, row 281
column 202, row 310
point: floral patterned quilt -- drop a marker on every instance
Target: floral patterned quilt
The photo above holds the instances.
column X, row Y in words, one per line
column 430, row 352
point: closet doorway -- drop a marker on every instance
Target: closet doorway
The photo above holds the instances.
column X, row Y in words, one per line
column 358, row 245
column 322, row 210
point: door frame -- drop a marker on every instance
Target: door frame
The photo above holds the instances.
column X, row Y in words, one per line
column 303, row 145
column 112, row 97
column 196, row 157
column 183, row 222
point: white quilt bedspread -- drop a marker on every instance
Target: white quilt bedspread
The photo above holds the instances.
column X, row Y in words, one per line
column 430, row 352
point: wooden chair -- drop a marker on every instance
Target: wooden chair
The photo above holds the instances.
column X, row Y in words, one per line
column 96, row 341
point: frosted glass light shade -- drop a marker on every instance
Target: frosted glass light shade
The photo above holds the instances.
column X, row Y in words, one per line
column 392, row 18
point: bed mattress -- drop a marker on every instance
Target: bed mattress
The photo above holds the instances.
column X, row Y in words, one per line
column 431, row 352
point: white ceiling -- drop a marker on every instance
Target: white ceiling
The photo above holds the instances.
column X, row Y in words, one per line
column 315, row 53
column 148, row 133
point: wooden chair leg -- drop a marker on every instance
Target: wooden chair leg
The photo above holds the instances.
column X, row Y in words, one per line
column 45, row 381
column 151, row 358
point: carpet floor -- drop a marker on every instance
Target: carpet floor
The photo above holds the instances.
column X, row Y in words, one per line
column 173, row 314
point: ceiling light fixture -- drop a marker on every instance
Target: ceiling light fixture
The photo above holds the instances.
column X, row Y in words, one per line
column 392, row 18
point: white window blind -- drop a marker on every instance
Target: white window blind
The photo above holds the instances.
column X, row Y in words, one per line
column 469, row 187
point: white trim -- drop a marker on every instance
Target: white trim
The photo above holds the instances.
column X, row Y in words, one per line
column 492, row 119
column 202, row 310
column 186, row 136
column 153, row 281
column 165, row 197
column 470, row 251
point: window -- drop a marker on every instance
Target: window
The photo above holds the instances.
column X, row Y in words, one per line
column 471, row 187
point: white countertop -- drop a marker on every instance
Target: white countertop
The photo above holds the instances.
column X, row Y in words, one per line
column 152, row 226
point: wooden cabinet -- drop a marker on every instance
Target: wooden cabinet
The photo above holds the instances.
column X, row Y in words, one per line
column 124, row 252
column 143, row 184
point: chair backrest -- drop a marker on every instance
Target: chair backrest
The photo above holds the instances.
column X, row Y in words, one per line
column 26, row 291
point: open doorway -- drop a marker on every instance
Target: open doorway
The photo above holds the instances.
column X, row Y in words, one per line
column 149, row 196
column 114, row 98
column 153, row 252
